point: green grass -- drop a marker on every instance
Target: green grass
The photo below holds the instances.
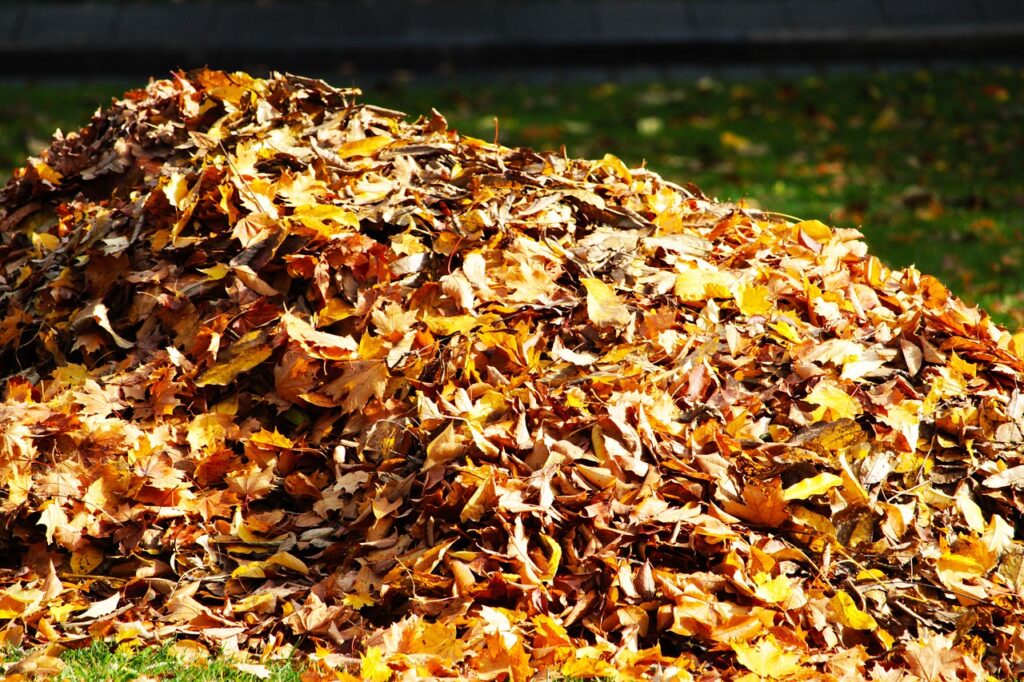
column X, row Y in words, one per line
column 927, row 164
column 102, row 663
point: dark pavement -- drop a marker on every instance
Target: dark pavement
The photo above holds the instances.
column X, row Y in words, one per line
column 438, row 37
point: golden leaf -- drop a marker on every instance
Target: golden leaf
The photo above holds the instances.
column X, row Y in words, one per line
column 833, row 402
column 754, row 299
column 695, row 284
column 360, row 381
column 815, row 229
column 372, row 666
column 603, row 306
column 814, row 485
column 772, row 590
column 289, row 561
column 762, row 503
column 767, row 658
column 365, row 147
column 846, row 613
column 241, row 356
column 830, row 437
column 257, row 602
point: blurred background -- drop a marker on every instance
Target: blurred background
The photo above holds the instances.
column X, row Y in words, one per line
column 904, row 118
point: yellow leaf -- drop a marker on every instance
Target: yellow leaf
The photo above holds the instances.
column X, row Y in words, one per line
column 1018, row 344
column 326, row 218
column 847, row 613
column 772, row 590
column 71, row 375
column 372, row 667
column 435, row 639
column 962, row 367
column 957, row 567
column 316, row 343
column 587, row 667
column 241, row 356
column 215, row 272
column 288, row 561
column 358, row 601
column 458, row 324
column 208, row 430
column 767, row 658
column 176, row 190
column 189, row 651
column 961, row 572
column 102, row 608
column 970, row 510
column 366, row 147
column 45, row 172
column 253, row 569
column 905, row 418
column 481, row 502
column 60, row 612
column 45, row 241
column 815, row 229
column 809, row 487
column 735, row 141
column 754, row 299
column 603, row 306
column 504, row 655
column 762, row 503
column 554, row 558
column 821, row 527
column 785, row 330
column 699, row 285
column 257, row 602
column 272, row 439
column 830, row 437
column 613, row 164
column 833, row 402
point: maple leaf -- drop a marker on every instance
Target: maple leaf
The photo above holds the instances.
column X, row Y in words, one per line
column 768, row 658
column 761, row 502
column 360, row 381
column 754, row 299
column 934, row 659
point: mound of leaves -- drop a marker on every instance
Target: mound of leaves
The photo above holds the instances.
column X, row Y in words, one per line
column 286, row 370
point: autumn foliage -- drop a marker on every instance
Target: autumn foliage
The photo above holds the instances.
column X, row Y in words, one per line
column 286, row 370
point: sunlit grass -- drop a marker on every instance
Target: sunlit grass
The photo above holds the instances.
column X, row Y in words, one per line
column 102, row 662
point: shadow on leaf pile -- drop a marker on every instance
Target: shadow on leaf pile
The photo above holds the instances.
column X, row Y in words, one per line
column 279, row 363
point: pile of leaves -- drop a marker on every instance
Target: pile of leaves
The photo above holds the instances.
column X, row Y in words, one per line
column 287, row 371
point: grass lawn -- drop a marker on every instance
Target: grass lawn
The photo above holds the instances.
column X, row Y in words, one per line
column 927, row 164
column 102, row 663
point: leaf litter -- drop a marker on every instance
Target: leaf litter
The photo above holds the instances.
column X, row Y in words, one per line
column 283, row 370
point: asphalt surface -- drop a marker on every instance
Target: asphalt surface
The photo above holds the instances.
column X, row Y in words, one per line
column 438, row 38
